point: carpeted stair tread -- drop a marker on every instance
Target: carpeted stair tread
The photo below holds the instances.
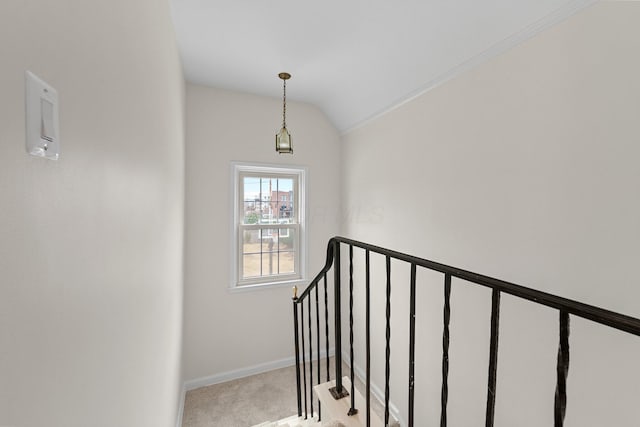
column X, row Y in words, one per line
column 300, row 422
column 338, row 409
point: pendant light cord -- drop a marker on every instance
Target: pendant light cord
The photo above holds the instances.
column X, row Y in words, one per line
column 284, row 103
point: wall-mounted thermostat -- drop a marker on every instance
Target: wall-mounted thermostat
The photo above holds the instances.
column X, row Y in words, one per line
column 43, row 135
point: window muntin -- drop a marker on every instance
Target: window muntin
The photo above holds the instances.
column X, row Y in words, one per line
column 268, row 225
column 268, row 252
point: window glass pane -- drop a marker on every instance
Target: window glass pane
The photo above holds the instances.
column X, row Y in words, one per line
column 251, row 241
column 265, row 212
column 286, row 248
column 266, row 187
column 251, row 212
column 251, row 202
column 250, row 266
column 269, row 239
column 286, row 238
column 287, row 262
column 269, row 263
column 285, row 200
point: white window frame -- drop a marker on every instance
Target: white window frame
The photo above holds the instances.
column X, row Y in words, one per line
column 238, row 171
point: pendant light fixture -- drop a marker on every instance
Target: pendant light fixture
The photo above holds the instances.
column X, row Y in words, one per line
column 283, row 138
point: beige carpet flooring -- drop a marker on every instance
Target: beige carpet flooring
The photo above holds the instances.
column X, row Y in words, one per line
column 242, row 403
column 269, row 396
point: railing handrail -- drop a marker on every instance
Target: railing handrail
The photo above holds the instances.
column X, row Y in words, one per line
column 327, row 266
column 599, row 315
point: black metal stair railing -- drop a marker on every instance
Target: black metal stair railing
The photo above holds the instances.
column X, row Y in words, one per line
column 565, row 307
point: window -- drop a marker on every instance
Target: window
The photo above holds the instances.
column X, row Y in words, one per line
column 268, row 223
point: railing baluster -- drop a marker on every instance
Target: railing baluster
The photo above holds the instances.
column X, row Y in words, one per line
column 326, row 325
column 493, row 357
column 318, row 346
column 338, row 392
column 297, row 349
column 304, row 365
column 352, row 410
column 388, row 346
column 310, row 357
column 562, row 370
column 445, row 350
column 338, row 320
column 368, row 338
column 412, row 342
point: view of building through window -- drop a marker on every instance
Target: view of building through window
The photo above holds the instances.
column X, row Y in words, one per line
column 269, row 226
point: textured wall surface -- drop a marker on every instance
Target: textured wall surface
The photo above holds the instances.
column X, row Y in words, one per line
column 525, row 169
column 229, row 331
column 91, row 244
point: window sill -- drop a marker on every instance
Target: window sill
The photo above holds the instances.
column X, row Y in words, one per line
column 268, row 285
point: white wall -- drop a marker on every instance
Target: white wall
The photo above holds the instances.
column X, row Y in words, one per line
column 91, row 245
column 525, row 168
column 226, row 331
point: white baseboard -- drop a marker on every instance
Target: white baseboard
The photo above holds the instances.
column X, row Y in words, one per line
column 238, row 373
column 235, row 374
column 183, row 395
column 376, row 391
column 247, row 371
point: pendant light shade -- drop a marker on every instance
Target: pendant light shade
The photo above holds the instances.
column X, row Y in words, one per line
column 283, row 138
column 283, row 142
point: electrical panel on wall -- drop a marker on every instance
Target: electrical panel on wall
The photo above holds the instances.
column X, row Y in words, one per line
column 43, row 135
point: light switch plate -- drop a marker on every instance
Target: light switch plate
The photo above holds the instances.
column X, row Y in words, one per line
column 43, row 134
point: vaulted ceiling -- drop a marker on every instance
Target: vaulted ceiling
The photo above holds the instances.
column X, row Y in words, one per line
column 354, row 59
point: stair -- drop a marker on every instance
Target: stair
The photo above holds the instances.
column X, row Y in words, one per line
column 334, row 412
column 337, row 409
